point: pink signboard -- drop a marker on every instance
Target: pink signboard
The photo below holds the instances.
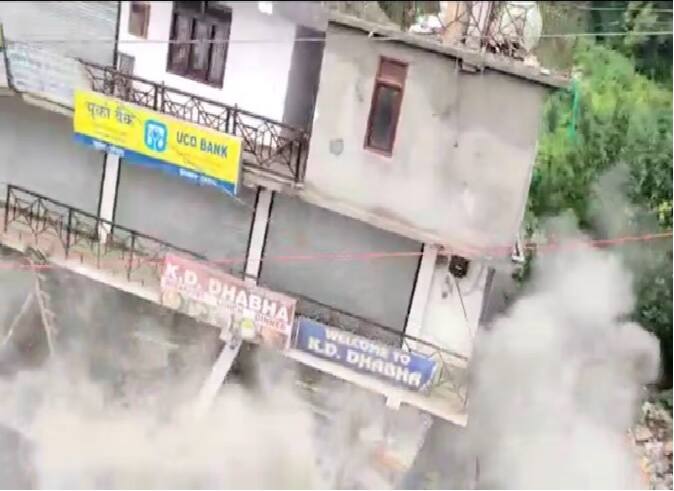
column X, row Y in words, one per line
column 214, row 297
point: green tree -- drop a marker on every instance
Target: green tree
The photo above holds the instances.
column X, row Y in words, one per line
column 619, row 117
column 652, row 55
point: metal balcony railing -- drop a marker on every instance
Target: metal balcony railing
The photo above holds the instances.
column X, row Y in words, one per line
column 111, row 246
column 269, row 146
column 452, row 372
column 138, row 257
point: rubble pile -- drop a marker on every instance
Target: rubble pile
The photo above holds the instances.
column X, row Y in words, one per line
column 652, row 436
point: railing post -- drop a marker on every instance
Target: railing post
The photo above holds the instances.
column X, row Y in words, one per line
column 115, row 78
column 298, row 160
column 163, row 94
column 109, row 77
column 35, row 216
column 235, row 112
column 68, row 229
column 9, row 189
column 133, row 245
column 155, row 103
column 158, row 104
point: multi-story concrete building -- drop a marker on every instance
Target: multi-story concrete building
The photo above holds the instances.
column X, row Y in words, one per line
column 383, row 174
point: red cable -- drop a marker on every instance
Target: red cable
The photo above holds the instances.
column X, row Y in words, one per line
column 352, row 256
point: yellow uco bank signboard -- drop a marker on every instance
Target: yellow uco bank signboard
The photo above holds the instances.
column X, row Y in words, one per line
column 152, row 139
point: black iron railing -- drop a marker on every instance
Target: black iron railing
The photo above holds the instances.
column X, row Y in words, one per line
column 115, row 248
column 111, row 246
column 273, row 147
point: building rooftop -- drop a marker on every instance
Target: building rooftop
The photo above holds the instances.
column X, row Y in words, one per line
column 474, row 58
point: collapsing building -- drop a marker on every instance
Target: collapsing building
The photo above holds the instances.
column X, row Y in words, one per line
column 365, row 180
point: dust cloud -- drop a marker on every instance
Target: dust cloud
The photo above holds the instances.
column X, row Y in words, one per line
column 558, row 379
column 555, row 385
column 82, row 441
column 113, row 406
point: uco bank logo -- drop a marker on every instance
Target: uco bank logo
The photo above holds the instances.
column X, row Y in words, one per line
column 156, row 135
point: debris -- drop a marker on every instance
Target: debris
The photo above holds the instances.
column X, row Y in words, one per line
column 653, row 440
column 531, row 61
column 642, row 434
column 427, row 24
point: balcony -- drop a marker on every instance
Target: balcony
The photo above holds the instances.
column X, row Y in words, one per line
column 270, row 148
column 132, row 261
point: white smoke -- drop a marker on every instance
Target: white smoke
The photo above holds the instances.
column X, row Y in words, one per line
column 558, row 378
column 114, row 406
column 556, row 382
column 83, row 441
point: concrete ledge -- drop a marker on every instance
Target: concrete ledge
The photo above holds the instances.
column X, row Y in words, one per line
column 470, row 57
column 441, row 407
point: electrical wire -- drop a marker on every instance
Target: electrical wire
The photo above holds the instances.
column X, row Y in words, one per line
column 378, row 38
column 347, row 256
column 616, row 9
column 371, row 255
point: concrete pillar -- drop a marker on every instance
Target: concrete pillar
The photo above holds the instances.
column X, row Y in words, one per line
column 258, row 235
column 109, row 192
column 415, row 319
column 217, row 376
column 422, row 289
column 231, row 349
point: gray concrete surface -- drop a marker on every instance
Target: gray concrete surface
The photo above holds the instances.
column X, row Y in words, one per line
column 463, row 153
column 378, row 289
column 201, row 219
column 39, row 153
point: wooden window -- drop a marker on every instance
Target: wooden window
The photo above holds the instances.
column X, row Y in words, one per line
column 139, row 18
column 199, row 34
column 179, row 53
column 216, row 66
column 387, row 98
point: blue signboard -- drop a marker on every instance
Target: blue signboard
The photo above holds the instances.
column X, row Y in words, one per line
column 401, row 367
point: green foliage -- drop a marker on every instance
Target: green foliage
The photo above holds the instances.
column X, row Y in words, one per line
column 652, row 55
column 664, row 398
column 623, row 118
